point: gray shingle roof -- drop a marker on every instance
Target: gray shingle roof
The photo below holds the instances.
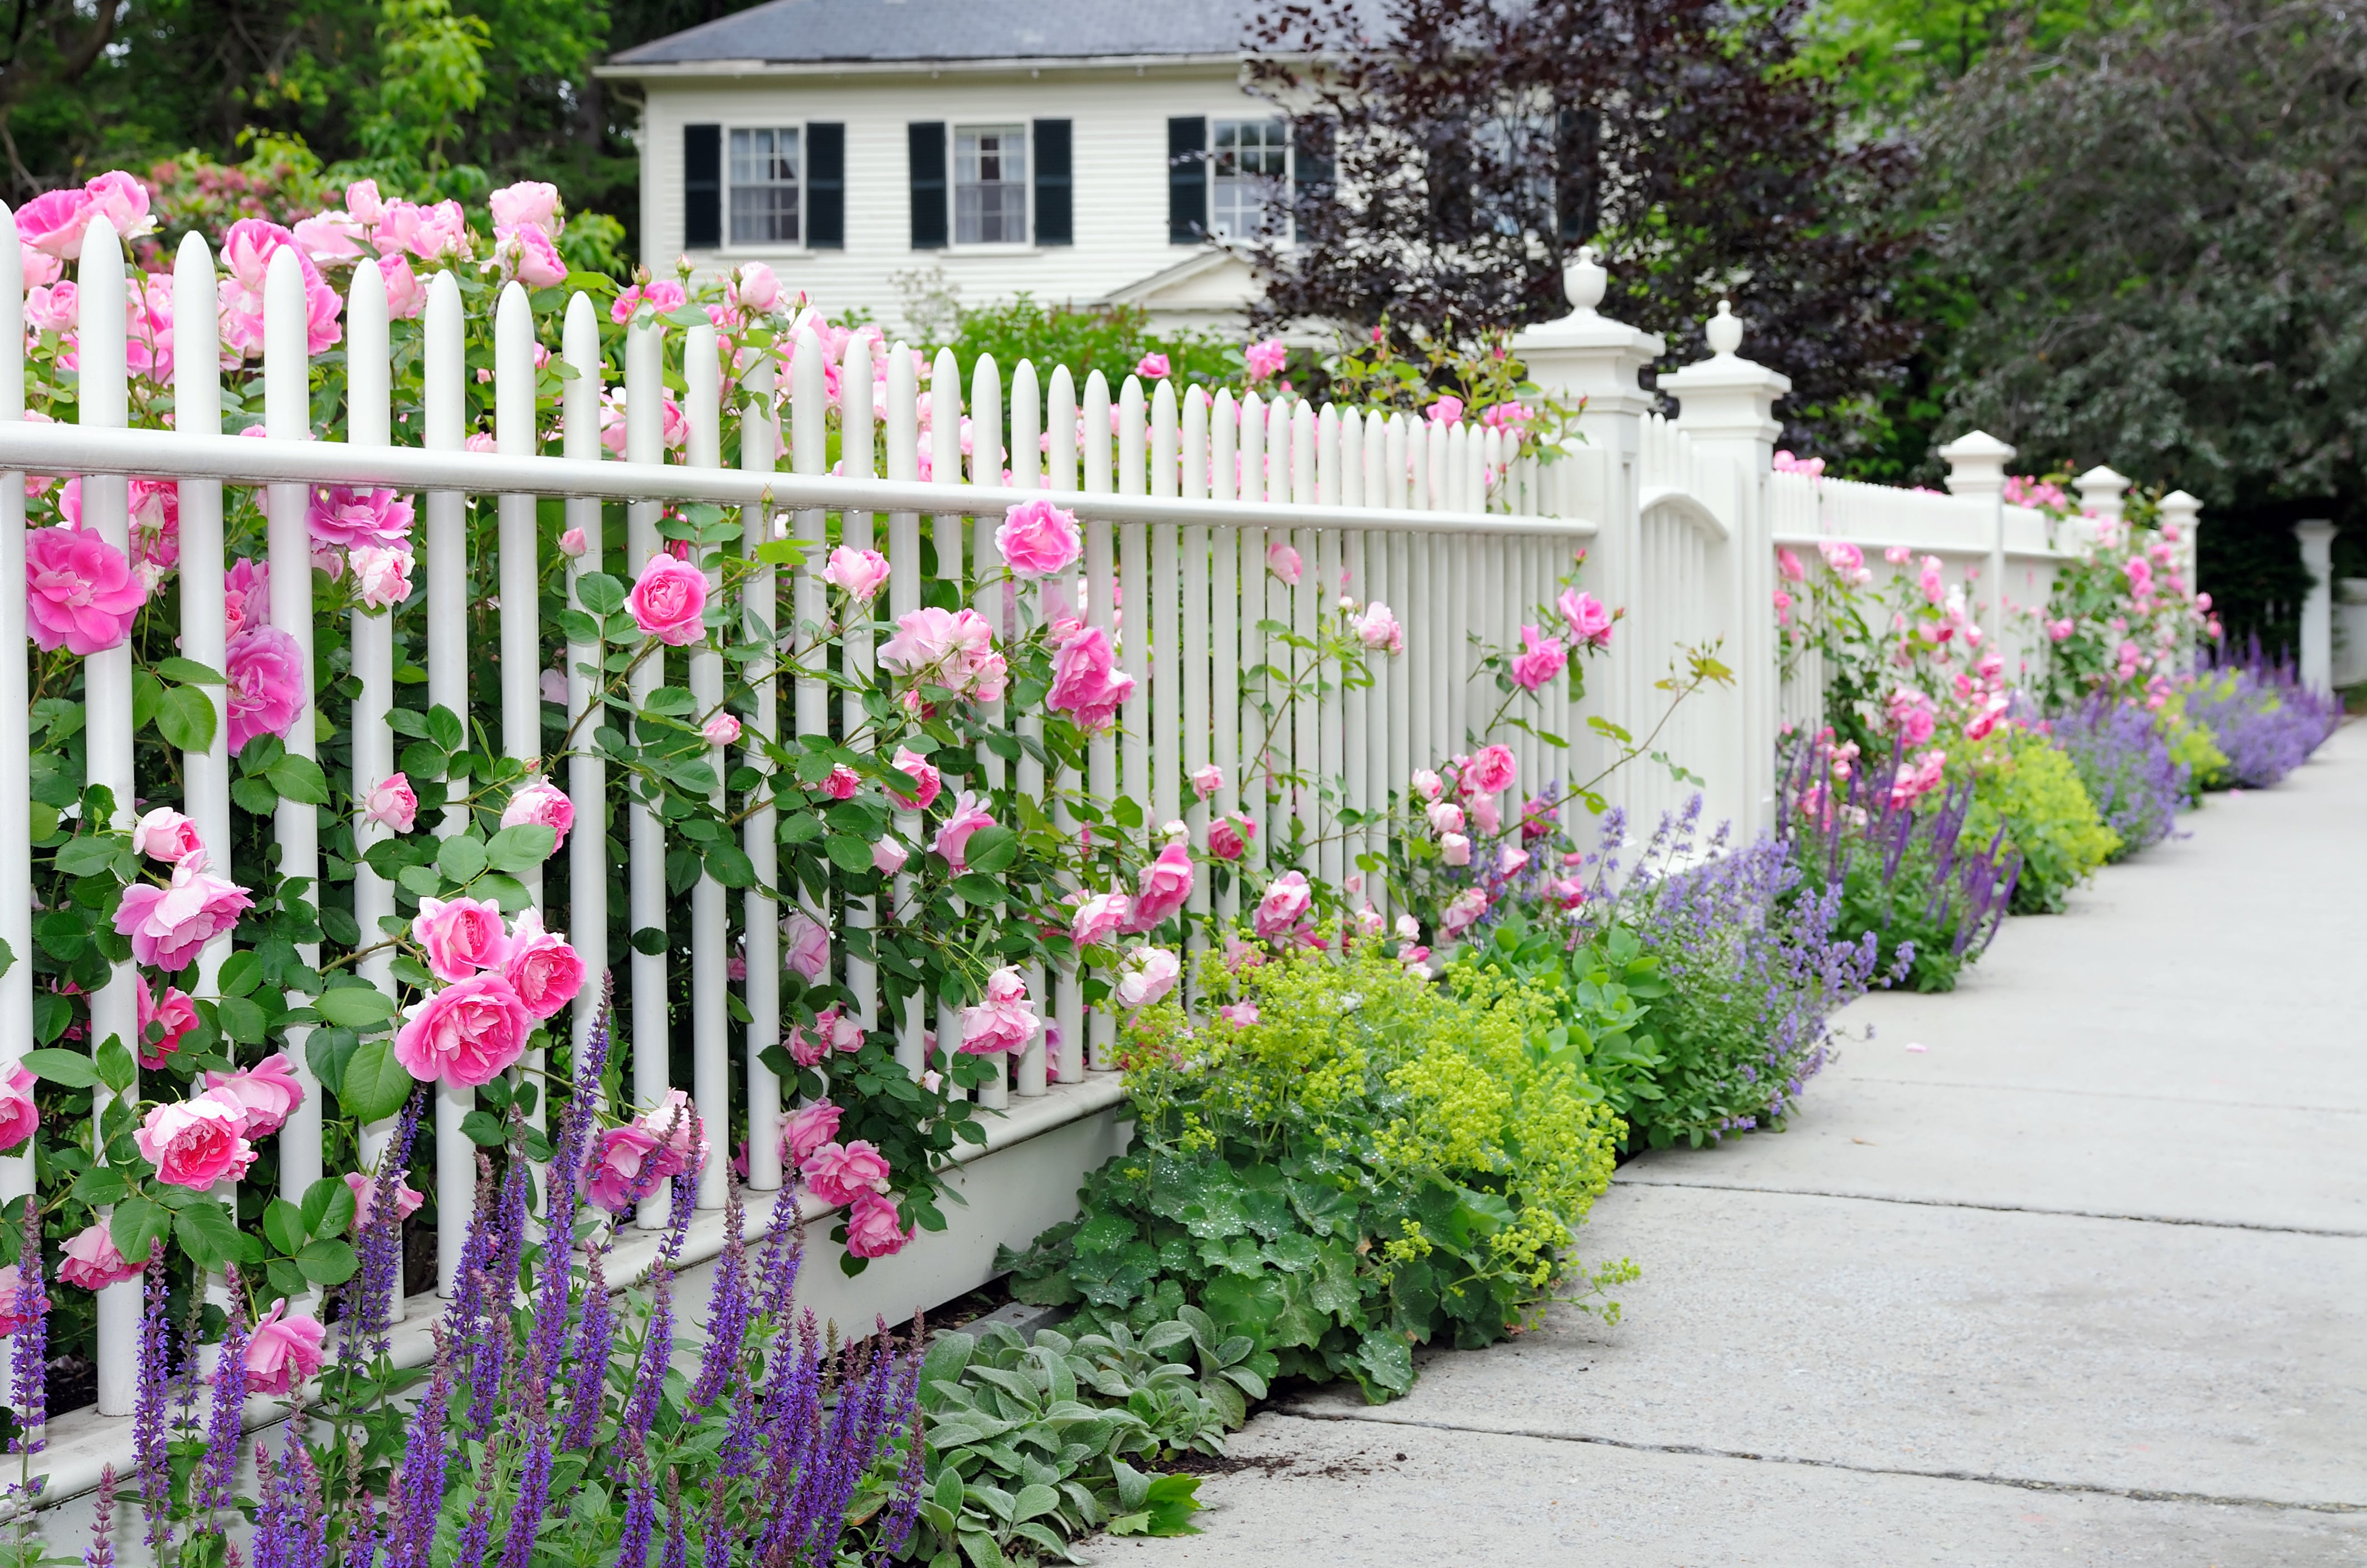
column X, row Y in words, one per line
column 818, row 31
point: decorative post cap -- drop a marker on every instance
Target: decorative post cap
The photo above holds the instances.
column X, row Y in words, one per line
column 1975, row 463
column 1584, row 280
column 2101, row 478
column 1724, row 330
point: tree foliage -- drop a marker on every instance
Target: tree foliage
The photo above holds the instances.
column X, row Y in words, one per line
column 1474, row 145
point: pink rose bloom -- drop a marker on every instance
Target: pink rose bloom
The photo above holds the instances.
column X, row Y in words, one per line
column 1151, row 365
column 80, row 592
column 1086, row 684
column 1240, row 1014
column 871, row 1227
column 1842, row 555
column 952, row 648
column 1164, row 886
column 573, row 544
column 1509, row 860
column 343, row 515
column 406, row 296
column 1377, row 628
column 887, row 855
column 1454, row 849
column 461, row 936
column 1005, row 1020
column 953, row 839
column 1147, row 975
column 282, row 1352
column 1446, row 817
column 1928, row 774
column 327, row 238
column 1484, row 817
column 1284, row 562
column 195, row 1143
column 757, row 287
column 662, row 296
column 466, row 1034
column 362, row 204
column 1265, row 359
column 175, row 1016
column 266, row 683
column 1567, row 892
column 1427, row 785
column 1490, row 769
column 391, row 804
column 1229, row 835
column 2060, row 629
column 1588, row 622
column 622, row 1166
column 1462, row 912
column 859, row 573
column 14, row 1311
column 1207, row 781
column 1540, row 662
column 842, row 783
column 120, row 198
column 57, row 309
column 1038, row 540
column 165, row 835
column 169, row 925
column 267, row 1090
column 720, row 730
column 1285, row 904
column 1788, row 566
column 807, row 1050
column 525, row 252
column 1100, row 918
column 541, row 804
column 407, row 1200
column 682, row 1146
column 1447, row 410
column 544, row 970
column 806, row 1131
column 669, row 600
column 53, row 222
column 808, row 946
column 19, row 1117
column 925, row 780
column 528, row 201
column 845, row 1031
column 381, row 575
column 91, row 1261
column 837, row 1171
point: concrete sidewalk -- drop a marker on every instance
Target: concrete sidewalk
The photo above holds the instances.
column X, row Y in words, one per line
column 2083, row 1280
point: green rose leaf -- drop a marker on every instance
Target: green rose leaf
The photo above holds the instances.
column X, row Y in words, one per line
column 991, row 850
column 299, row 778
column 210, row 1235
column 355, row 1006
column 600, row 594
column 328, row 1262
column 461, row 859
column 186, row 719
column 521, row 848
column 188, row 672
column 137, row 1225
column 70, row 1068
column 376, row 1084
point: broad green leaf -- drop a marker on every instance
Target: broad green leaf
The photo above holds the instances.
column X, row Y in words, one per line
column 482, row 1129
column 88, row 854
column 71, row 1068
column 326, row 1051
column 599, row 592
column 328, row 1207
column 138, row 1224
column 327, row 1262
column 728, row 864
column 992, row 850
column 283, row 1225
column 116, row 1068
column 521, row 848
column 241, row 973
column 188, row 672
column 210, row 1235
column 460, row 858
column 241, row 1020
column 444, row 728
column 376, row 1084
column 356, row 1006
column 848, row 852
column 300, row 778
column 186, row 719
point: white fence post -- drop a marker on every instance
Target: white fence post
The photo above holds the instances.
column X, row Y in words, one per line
column 2316, row 537
column 2103, row 493
column 1976, row 470
column 2181, row 524
column 16, row 770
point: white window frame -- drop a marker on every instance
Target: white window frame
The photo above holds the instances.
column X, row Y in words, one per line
column 1218, row 228
column 732, row 241
column 1025, row 133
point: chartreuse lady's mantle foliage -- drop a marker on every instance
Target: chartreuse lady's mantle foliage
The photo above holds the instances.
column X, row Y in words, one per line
column 1337, row 1161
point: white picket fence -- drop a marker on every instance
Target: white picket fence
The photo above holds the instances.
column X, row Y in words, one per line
column 1681, row 518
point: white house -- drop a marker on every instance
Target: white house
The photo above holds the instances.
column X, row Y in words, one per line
column 1081, row 150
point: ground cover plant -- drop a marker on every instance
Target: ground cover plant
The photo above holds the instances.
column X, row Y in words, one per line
column 2123, row 758
column 2263, row 721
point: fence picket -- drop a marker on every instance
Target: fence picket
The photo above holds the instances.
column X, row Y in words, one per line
column 645, row 868
column 443, row 415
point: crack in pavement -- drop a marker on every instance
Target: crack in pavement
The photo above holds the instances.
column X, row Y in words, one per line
column 2025, row 1483
column 1623, row 1180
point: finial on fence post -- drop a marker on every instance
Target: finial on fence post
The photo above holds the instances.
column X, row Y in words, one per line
column 1584, row 280
column 1724, row 330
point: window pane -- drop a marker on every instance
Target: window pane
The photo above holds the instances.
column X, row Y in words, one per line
column 1250, row 159
column 764, row 186
column 990, row 184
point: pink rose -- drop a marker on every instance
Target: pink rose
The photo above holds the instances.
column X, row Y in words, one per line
column 171, row 1018
column 871, row 1228
column 757, row 287
column 806, row 1131
column 1588, row 622
column 1152, row 366
column 1005, row 1020
column 1147, row 975
column 391, row 804
column 1100, row 918
column 682, row 1146
column 16, row 1310
column 1377, row 628
column 807, row 1050
column 669, row 600
column 1265, row 359
column 1284, row 562
column 1427, row 785
column 528, row 201
column 660, row 296
column 808, row 946
column 925, row 780
column 195, row 1143
column 1484, row 815
column 574, row 545
column 92, row 1262
column 720, row 730
column 1447, row 410
column 1086, row 684
column 169, row 925
column 1490, row 771
column 837, row 1171
column 887, row 855
column 80, row 592
column 622, row 1166
column 266, row 683
column 362, row 204
column 1038, row 540
column 461, row 936
column 20, row 1118
column 406, row 296
column 842, row 783
column 328, row 238
column 1509, row 860
column 465, row 1035
column 345, row 516
column 1207, row 781
column 541, row 804
column 544, row 970
column 381, row 576
column 952, row 648
column 407, row 1200
column 1446, row 817
column 1164, row 887
column 1787, row 566
column 1540, row 660
column 953, row 839
column 267, row 1090
column 53, row 222
column 859, row 573
column 1285, row 904
column 524, row 251
column 1240, row 1014
column 1453, row 849
column 1462, row 912
column 120, row 198
column 1229, row 835
column 165, row 835
column 1567, row 892
column 282, row 1352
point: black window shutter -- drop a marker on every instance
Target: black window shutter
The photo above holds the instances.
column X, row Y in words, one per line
column 1312, row 175
column 1187, row 179
column 928, row 144
column 825, row 185
column 1055, row 222
column 702, row 186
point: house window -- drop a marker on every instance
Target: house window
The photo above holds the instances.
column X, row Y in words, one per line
column 764, row 186
column 1252, row 159
column 990, row 184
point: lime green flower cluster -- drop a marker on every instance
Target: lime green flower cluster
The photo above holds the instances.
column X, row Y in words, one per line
column 2026, row 784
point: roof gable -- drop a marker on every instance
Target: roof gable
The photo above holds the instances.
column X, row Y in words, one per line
column 863, row 32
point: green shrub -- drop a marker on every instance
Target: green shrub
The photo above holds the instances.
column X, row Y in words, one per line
column 1113, row 341
column 1364, row 1162
column 2028, row 786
